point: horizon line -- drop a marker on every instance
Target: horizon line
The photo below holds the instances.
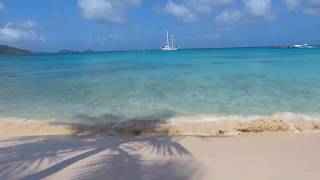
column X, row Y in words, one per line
column 153, row 49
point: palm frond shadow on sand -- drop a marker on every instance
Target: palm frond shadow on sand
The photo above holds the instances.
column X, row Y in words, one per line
column 104, row 157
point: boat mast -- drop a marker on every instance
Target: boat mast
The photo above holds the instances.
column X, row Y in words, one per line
column 168, row 38
column 172, row 45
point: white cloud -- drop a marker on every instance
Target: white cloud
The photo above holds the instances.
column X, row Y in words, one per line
column 106, row 11
column 206, row 6
column 313, row 8
column 253, row 10
column 230, row 17
column 261, row 8
column 191, row 10
column 180, row 11
column 292, row 4
column 20, row 32
column 308, row 7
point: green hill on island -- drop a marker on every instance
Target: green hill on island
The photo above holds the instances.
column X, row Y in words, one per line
column 67, row 51
column 8, row 50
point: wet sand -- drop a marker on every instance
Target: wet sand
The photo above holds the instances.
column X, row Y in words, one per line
column 252, row 156
column 180, row 126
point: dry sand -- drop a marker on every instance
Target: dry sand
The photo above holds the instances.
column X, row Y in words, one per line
column 255, row 156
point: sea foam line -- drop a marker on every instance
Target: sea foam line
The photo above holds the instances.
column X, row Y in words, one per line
column 201, row 125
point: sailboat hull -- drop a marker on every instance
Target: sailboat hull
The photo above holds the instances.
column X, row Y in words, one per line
column 168, row 49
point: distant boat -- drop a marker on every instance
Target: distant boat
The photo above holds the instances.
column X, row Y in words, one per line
column 283, row 46
column 168, row 46
column 302, row 46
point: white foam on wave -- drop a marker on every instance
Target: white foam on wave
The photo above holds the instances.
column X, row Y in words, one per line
column 286, row 116
column 202, row 125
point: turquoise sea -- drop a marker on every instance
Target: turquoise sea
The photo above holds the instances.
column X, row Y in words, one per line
column 119, row 86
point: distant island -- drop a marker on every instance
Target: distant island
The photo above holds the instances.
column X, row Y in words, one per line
column 67, row 51
column 8, row 50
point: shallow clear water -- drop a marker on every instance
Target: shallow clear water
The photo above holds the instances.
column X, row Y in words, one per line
column 154, row 84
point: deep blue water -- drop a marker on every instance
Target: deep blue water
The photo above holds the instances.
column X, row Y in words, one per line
column 155, row 84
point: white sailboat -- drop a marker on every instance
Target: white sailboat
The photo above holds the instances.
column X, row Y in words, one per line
column 302, row 46
column 168, row 46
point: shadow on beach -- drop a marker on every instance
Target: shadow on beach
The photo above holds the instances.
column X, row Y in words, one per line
column 109, row 124
column 108, row 147
column 95, row 158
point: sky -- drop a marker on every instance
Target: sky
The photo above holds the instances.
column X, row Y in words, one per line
column 51, row 25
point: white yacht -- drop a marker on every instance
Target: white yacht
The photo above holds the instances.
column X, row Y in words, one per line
column 168, row 46
column 302, row 46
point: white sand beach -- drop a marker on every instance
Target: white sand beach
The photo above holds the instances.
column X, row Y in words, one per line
column 253, row 156
column 159, row 90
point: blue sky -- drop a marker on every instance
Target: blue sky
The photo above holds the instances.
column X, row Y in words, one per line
column 50, row 25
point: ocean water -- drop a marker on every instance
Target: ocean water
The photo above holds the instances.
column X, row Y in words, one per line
column 142, row 85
